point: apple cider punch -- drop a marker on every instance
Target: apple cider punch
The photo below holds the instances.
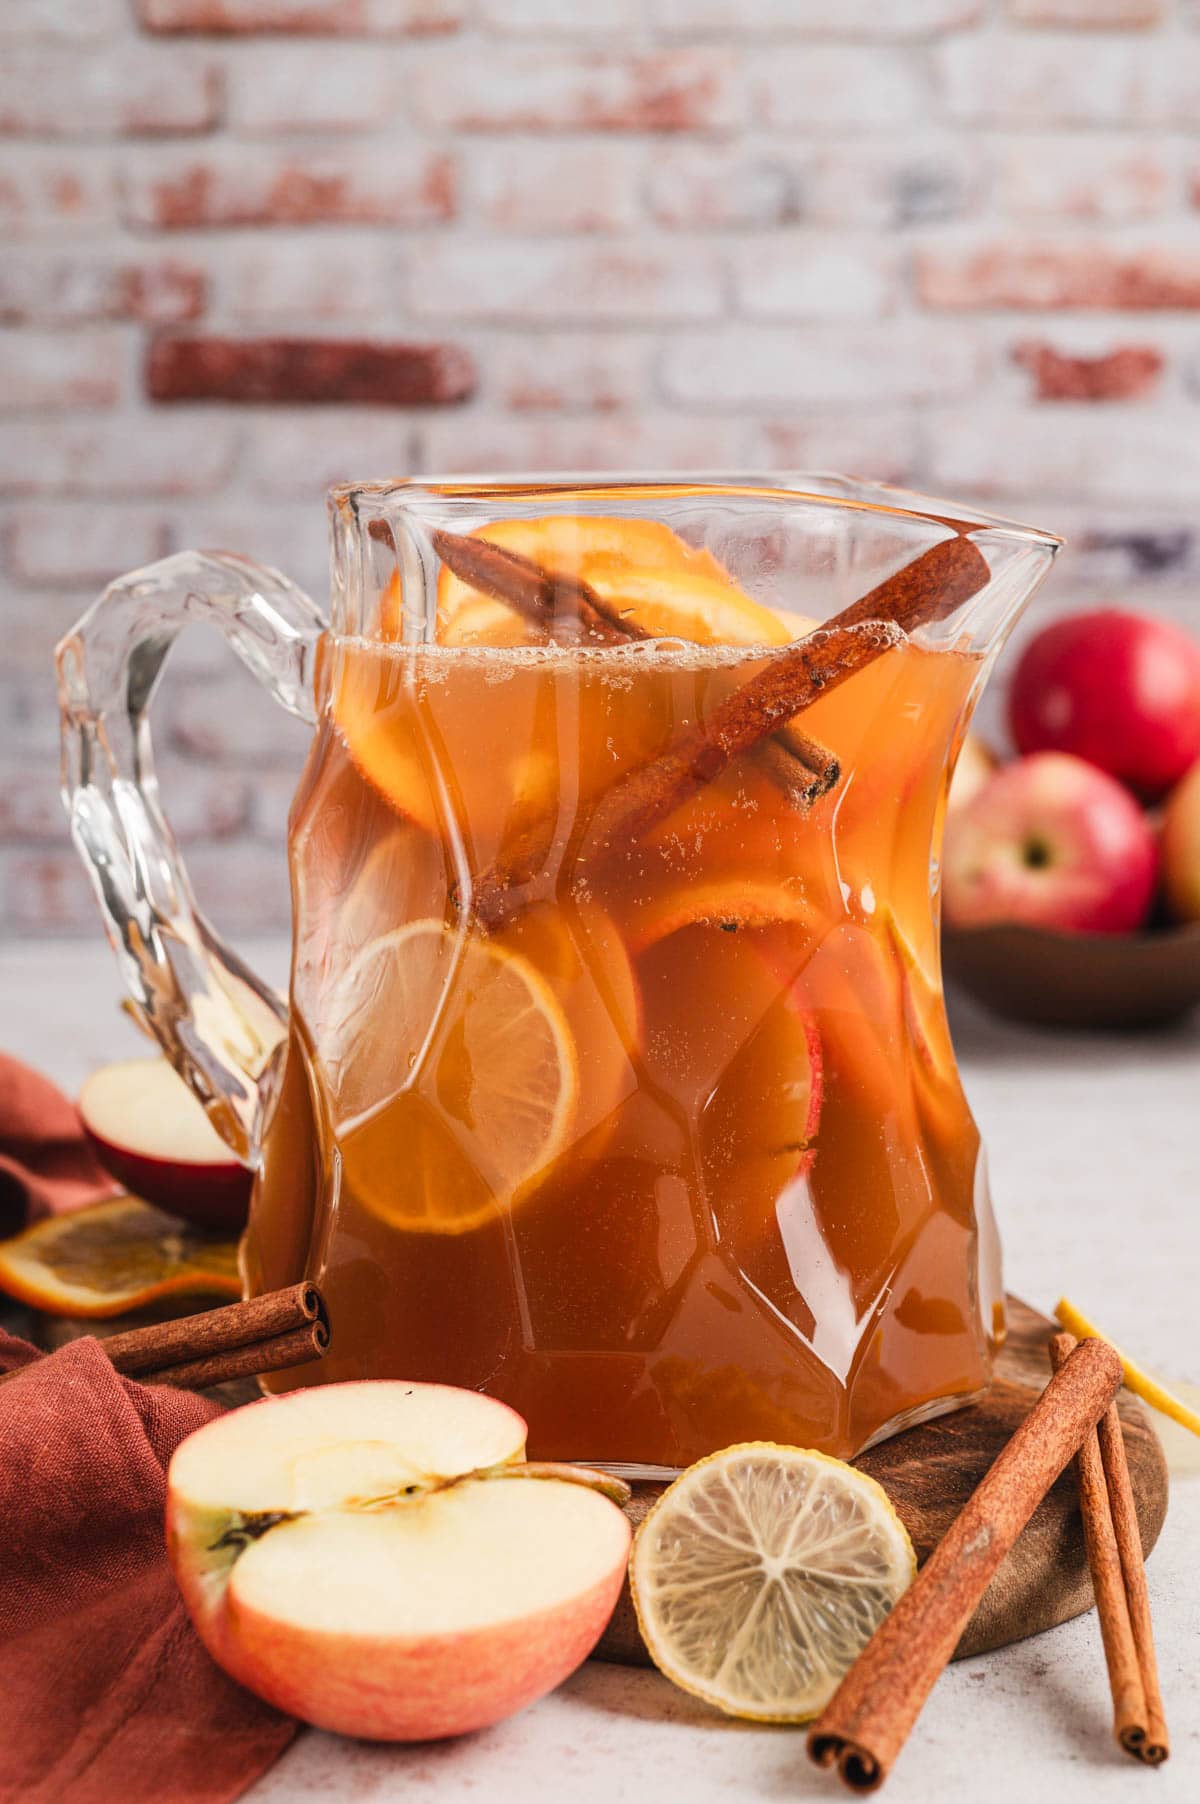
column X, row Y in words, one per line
column 613, row 1079
column 644, row 1118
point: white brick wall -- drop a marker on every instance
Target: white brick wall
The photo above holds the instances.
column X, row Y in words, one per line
column 953, row 243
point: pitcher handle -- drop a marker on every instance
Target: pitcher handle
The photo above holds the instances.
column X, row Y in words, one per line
column 219, row 1025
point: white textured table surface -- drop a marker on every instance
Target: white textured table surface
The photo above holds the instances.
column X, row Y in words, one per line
column 1095, row 1150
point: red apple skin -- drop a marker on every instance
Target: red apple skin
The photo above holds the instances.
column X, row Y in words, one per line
column 403, row 1688
column 1181, row 848
column 1119, row 689
column 418, row 1689
column 210, row 1196
column 1052, row 842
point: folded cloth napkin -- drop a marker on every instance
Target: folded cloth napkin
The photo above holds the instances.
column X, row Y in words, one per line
column 106, row 1694
column 46, row 1164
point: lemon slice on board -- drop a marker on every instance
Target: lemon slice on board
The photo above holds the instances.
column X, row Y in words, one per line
column 112, row 1257
column 452, row 1075
column 760, row 1575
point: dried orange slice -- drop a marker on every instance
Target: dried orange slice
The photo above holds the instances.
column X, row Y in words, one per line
column 760, row 1575
column 452, row 1076
column 113, row 1257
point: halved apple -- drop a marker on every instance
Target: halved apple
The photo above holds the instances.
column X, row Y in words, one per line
column 375, row 1559
column 152, row 1133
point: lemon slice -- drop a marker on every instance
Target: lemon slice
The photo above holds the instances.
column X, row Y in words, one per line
column 760, row 1575
column 112, row 1257
column 452, row 1076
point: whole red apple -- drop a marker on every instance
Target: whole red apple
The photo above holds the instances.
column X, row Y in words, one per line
column 1181, row 848
column 1053, row 842
column 1121, row 690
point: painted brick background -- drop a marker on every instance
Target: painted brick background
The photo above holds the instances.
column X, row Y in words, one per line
column 255, row 246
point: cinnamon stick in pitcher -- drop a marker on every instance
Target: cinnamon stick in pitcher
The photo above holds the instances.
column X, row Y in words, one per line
column 929, row 588
column 570, row 609
column 866, row 1723
column 1118, row 1581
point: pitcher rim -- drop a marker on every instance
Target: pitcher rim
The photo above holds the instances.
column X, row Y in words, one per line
column 371, row 499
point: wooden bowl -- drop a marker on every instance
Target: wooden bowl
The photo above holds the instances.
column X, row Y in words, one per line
column 1093, row 980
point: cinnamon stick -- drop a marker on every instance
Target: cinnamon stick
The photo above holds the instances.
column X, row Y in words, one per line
column 568, row 608
column 866, row 1723
column 1157, row 1746
column 562, row 605
column 264, row 1334
column 929, row 588
column 295, row 1348
column 193, row 1337
column 1118, row 1580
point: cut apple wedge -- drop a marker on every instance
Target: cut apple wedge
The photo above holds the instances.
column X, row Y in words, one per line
column 374, row 1559
column 151, row 1133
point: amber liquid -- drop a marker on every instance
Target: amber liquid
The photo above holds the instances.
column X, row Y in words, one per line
column 765, row 1217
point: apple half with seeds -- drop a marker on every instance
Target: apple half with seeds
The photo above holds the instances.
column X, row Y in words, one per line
column 375, row 1558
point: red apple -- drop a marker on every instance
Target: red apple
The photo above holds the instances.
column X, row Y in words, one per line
column 1053, row 842
column 1121, row 690
column 151, row 1133
column 1181, row 848
column 374, row 1558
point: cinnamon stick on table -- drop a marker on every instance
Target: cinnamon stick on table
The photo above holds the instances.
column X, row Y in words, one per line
column 571, row 610
column 866, row 1723
column 929, row 588
column 1114, row 1551
column 265, row 1334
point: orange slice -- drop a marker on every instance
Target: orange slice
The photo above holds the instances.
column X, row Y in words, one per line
column 730, row 903
column 662, row 585
column 452, row 1075
column 113, row 1257
column 482, row 620
column 571, row 544
column 684, row 603
column 936, row 1083
column 749, row 1087
column 486, row 785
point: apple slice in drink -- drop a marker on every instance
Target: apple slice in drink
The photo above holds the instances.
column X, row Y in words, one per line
column 151, row 1133
column 374, row 1559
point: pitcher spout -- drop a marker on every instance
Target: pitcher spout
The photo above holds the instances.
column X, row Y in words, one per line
column 1018, row 557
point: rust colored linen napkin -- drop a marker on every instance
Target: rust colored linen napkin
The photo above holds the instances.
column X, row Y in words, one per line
column 107, row 1695
column 46, row 1164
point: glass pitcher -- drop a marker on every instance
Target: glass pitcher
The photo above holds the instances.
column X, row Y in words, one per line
column 614, row 1077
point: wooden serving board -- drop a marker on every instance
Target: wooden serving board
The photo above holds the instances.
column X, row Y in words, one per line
column 930, row 1471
